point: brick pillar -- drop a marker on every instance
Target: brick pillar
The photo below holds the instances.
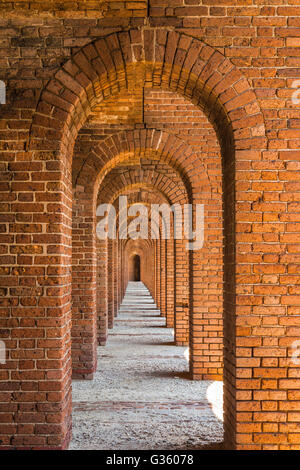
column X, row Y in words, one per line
column 155, row 269
column 158, row 273
column 84, row 317
column 35, row 381
column 110, row 290
column 119, row 274
column 122, row 270
column 125, row 267
column 206, row 299
column 150, row 261
column 102, row 316
column 181, row 293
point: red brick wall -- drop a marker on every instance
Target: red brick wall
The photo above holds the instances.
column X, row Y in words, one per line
column 241, row 77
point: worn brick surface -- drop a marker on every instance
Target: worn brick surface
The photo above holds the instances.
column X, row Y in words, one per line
column 186, row 100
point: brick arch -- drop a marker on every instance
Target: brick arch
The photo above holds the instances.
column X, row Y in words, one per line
column 170, row 186
column 120, row 149
column 135, row 187
column 148, row 206
column 139, row 246
column 131, row 265
column 179, row 63
column 147, row 260
column 128, row 146
column 161, row 280
column 135, row 243
column 107, row 286
column 171, row 194
column 163, row 296
column 169, row 60
column 135, row 246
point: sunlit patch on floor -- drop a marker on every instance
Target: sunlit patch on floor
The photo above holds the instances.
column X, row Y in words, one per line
column 214, row 395
column 187, row 354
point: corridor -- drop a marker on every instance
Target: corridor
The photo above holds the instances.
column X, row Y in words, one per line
column 141, row 396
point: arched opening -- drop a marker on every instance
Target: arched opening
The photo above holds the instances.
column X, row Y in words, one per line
column 136, row 269
column 157, row 116
column 173, row 268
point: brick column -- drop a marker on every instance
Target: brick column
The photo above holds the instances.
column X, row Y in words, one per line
column 35, row 381
column 163, row 277
column 206, row 297
column 110, row 290
column 181, row 294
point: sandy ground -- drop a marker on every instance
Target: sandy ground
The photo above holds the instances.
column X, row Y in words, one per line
column 141, row 397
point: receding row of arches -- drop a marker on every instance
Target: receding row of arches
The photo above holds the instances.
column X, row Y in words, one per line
column 198, row 291
column 155, row 166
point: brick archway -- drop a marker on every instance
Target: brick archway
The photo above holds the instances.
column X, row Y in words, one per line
column 170, row 61
column 138, row 247
column 106, row 247
column 160, row 283
column 103, row 158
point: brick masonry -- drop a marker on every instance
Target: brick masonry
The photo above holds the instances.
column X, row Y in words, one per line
column 169, row 100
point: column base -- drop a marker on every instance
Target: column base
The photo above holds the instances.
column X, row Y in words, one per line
column 181, row 343
column 83, row 374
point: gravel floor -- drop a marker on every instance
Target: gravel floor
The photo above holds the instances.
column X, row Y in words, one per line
column 141, row 397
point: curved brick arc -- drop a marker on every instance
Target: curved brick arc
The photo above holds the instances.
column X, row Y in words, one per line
column 142, row 143
column 178, row 154
column 135, row 187
column 130, row 146
column 144, row 248
column 160, row 176
column 141, row 247
column 125, row 146
column 169, row 61
column 106, row 155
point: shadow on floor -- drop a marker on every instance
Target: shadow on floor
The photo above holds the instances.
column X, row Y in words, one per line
column 151, row 316
column 159, row 343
